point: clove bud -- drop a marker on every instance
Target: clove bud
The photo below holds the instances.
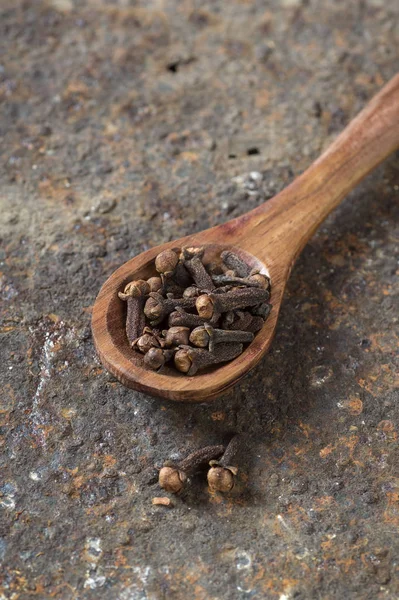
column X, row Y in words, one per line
column 221, row 475
column 134, row 294
column 157, row 307
column 208, row 304
column 176, row 336
column 166, row 262
column 191, row 258
column 190, row 360
column 235, row 263
column 172, row 477
column 155, row 358
column 208, row 336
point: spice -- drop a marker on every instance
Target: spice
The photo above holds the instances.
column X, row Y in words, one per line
column 173, row 476
column 162, row 501
column 190, row 360
column 155, row 358
column 260, row 279
column 176, row 336
column 235, row 263
column 221, row 474
column 193, row 263
column 166, row 262
column 208, row 336
column 262, row 310
column 238, row 319
column 208, row 304
column 256, row 324
column 157, row 307
column 257, row 280
column 191, row 292
column 155, row 284
column 205, row 312
column 181, row 318
column 145, row 342
column 134, row 294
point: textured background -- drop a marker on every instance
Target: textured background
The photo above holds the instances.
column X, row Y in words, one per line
column 124, row 124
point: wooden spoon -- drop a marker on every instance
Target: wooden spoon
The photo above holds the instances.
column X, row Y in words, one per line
column 269, row 237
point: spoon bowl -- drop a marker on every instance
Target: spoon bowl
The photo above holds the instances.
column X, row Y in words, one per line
column 126, row 364
column 270, row 238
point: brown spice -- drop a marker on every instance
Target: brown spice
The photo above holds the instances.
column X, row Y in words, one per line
column 135, row 294
column 208, row 304
column 235, row 263
column 208, row 336
column 176, row 336
column 190, row 360
column 192, row 258
column 181, row 318
column 166, row 261
column 221, row 474
column 162, row 501
column 157, row 307
column 155, row 358
column 172, row 477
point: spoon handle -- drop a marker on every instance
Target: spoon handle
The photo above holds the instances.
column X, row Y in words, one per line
column 280, row 228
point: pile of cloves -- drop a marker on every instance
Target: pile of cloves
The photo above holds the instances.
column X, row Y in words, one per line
column 195, row 315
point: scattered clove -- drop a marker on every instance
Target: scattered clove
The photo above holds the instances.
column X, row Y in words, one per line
column 205, row 312
column 222, row 473
column 173, row 476
column 162, row 501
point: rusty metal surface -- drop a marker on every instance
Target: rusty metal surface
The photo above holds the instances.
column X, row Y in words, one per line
column 124, row 124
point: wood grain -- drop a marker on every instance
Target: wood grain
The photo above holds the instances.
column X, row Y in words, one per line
column 269, row 237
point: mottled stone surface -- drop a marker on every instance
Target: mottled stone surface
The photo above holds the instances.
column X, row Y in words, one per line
column 127, row 123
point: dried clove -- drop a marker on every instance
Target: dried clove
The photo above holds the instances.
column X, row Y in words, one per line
column 208, row 304
column 145, row 342
column 262, row 310
column 237, row 320
column 176, row 336
column 189, row 360
column 135, row 294
column 181, row 318
column 258, row 280
column 192, row 261
column 191, row 292
column 157, row 307
column 172, row 476
column 166, row 262
column 256, row 324
column 155, row 284
column 208, row 336
column 235, row 263
column 221, row 475
column 155, row 358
